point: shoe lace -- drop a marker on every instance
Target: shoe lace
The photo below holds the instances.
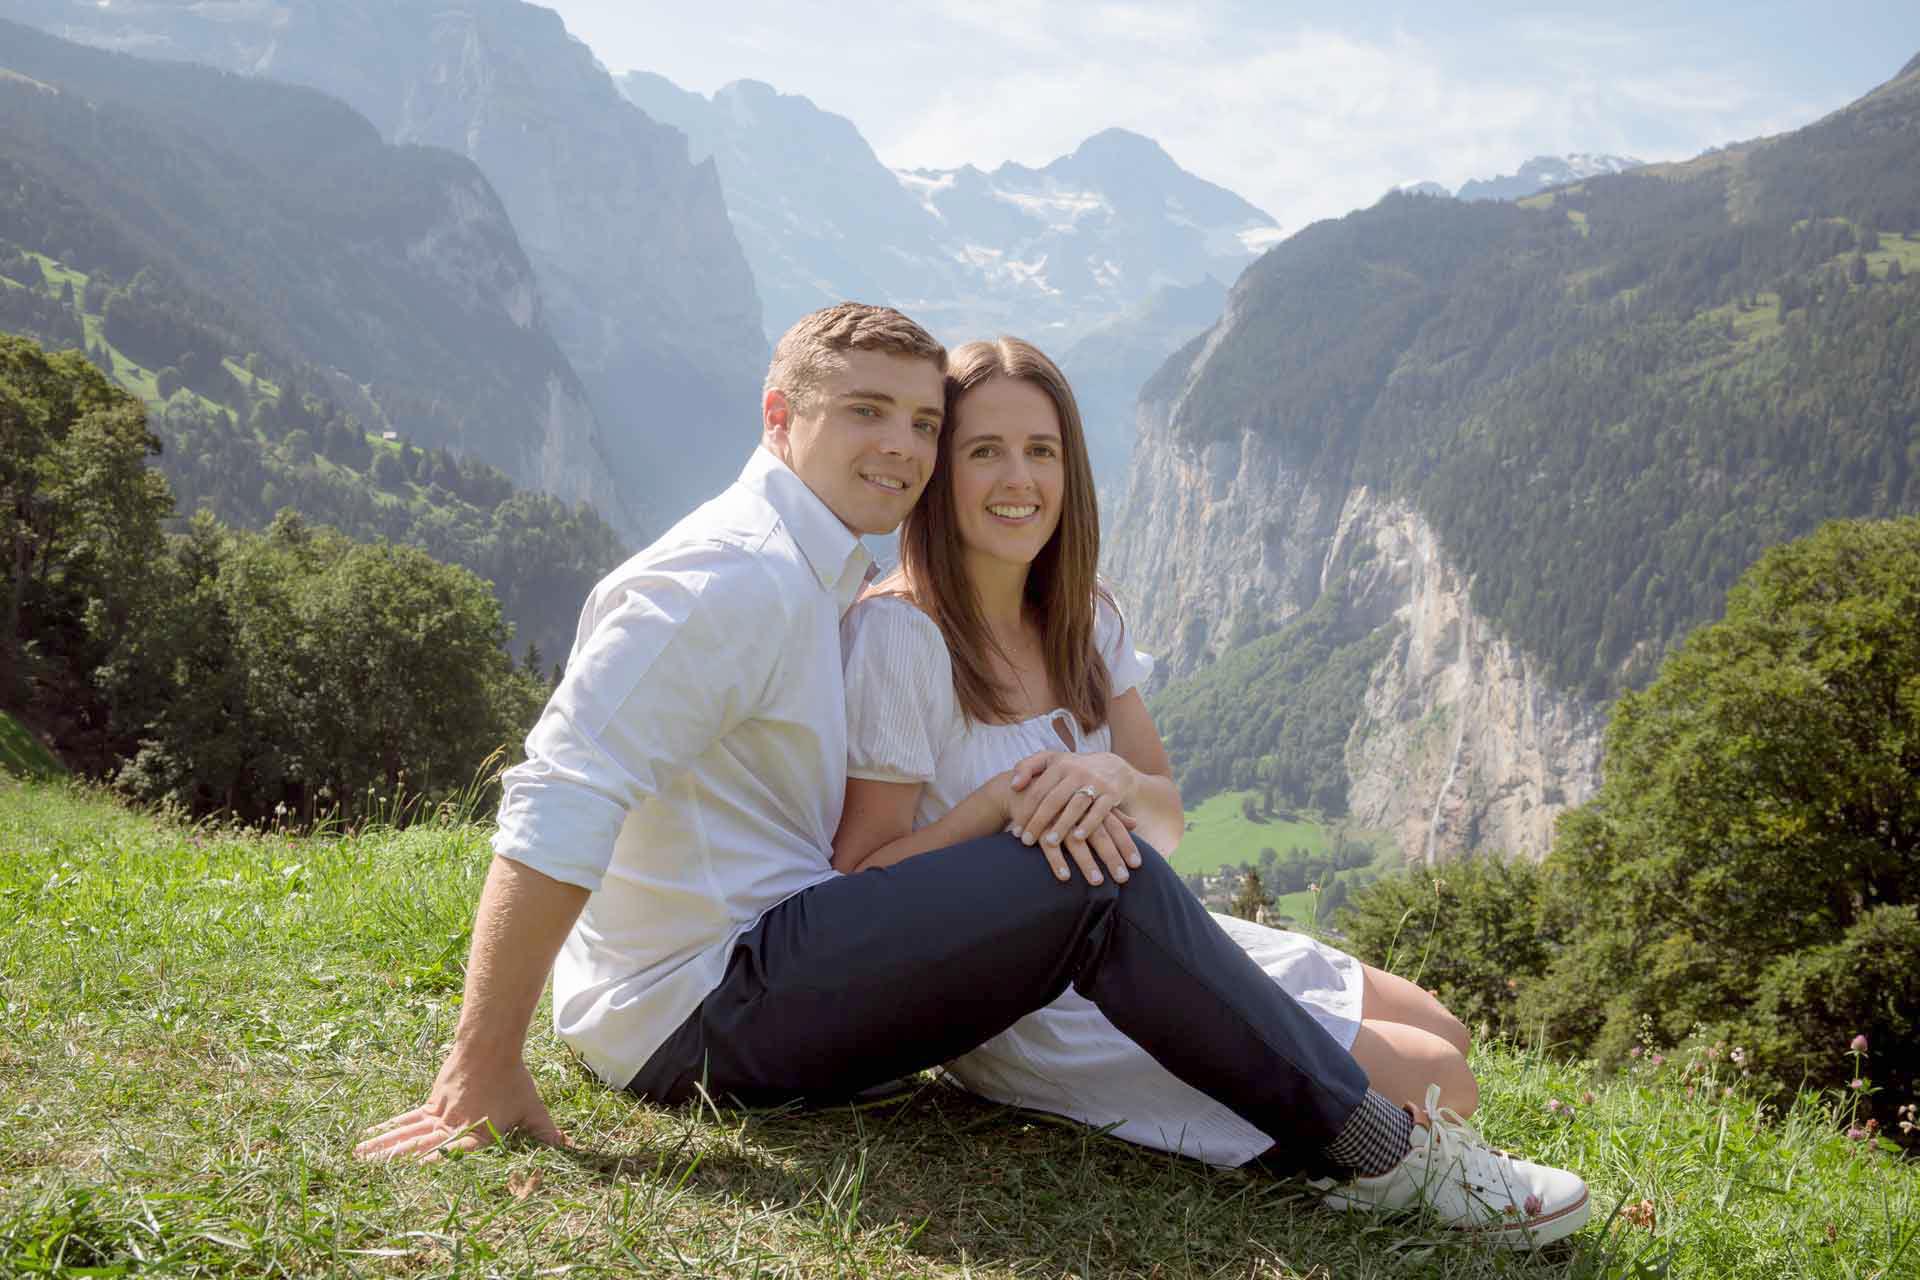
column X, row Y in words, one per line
column 1459, row 1146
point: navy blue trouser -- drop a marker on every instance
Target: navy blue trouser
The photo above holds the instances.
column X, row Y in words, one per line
column 877, row 975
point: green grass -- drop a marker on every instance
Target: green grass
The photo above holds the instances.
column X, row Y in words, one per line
column 21, row 753
column 129, row 374
column 257, row 385
column 1218, row 833
column 1298, row 907
column 199, row 1021
column 1902, row 248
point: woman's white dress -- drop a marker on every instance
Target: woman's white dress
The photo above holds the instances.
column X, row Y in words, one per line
column 904, row 725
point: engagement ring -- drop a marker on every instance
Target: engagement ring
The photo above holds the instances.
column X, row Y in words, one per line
column 1088, row 792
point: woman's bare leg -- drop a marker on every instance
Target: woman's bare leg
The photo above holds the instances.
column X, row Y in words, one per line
column 1401, row 1061
column 1386, row 998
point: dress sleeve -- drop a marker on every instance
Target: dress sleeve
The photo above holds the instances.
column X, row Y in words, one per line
column 901, row 708
column 1126, row 666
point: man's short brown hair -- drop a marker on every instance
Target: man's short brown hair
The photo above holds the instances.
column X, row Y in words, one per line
column 808, row 351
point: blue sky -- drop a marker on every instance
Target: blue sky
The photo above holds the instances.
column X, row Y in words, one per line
column 1308, row 110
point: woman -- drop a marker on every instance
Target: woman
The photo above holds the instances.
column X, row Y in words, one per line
column 991, row 684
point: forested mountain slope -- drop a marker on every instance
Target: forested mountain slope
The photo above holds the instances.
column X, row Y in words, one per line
column 1588, row 413
column 216, row 216
column 276, row 282
column 641, row 277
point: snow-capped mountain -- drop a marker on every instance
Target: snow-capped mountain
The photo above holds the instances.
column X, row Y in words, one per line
column 1049, row 253
column 1535, row 175
column 1542, row 172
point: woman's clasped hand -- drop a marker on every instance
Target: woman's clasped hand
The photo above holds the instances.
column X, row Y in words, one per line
column 1076, row 802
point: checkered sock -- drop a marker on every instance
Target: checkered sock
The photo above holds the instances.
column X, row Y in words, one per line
column 1376, row 1138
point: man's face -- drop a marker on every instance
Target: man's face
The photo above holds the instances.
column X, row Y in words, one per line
column 866, row 439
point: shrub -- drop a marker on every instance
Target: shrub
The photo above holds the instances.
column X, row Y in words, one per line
column 1468, row 932
column 1752, row 859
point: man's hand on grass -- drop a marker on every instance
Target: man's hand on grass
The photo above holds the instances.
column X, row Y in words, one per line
column 468, row 1109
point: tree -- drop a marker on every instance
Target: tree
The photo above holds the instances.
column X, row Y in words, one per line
column 1250, row 900
column 1758, row 825
column 314, row 671
column 388, row 471
column 1468, row 930
column 80, row 516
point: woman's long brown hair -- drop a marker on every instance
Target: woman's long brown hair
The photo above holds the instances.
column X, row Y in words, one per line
column 1063, row 581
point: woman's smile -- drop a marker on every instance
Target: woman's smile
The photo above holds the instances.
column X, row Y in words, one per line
column 1014, row 512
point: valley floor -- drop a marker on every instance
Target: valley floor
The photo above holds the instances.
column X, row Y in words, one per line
column 199, row 1021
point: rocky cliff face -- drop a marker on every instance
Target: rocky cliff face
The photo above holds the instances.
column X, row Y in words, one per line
column 643, row 282
column 1461, row 743
column 469, row 251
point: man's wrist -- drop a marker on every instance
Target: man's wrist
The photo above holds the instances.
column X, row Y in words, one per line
column 483, row 1051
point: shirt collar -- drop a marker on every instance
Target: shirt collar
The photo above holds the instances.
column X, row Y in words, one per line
column 840, row 562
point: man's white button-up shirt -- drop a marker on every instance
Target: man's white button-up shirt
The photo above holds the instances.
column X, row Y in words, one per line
column 690, row 769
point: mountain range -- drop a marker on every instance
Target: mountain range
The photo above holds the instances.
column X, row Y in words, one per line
column 287, row 290
column 1447, row 475
column 1109, row 257
column 1049, row 253
column 1404, row 499
column 216, row 216
column 640, row 275
column 1535, row 176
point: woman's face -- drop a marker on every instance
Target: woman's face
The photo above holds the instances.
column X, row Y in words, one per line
column 1009, row 471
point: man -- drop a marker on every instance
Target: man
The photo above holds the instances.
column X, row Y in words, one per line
column 664, row 849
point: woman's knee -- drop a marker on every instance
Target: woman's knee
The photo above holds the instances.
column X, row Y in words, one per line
column 1402, row 1060
column 1388, row 997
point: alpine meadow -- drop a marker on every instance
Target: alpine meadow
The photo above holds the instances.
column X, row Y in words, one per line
column 1531, row 575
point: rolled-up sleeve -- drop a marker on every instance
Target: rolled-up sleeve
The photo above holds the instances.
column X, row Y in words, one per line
column 678, row 653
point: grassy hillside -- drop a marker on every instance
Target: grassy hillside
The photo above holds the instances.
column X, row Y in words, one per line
column 1218, row 833
column 244, row 446
column 200, row 1021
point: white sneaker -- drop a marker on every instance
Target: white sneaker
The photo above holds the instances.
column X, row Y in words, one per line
column 1474, row 1189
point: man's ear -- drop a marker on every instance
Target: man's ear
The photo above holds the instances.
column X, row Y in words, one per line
column 776, row 417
